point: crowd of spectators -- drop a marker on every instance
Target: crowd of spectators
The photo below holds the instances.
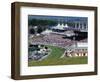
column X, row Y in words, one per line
column 54, row 39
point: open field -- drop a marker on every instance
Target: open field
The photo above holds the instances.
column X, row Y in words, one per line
column 54, row 59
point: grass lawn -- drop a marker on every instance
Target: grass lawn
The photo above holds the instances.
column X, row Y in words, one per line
column 54, row 59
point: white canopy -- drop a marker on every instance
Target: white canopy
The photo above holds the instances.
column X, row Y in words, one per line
column 60, row 26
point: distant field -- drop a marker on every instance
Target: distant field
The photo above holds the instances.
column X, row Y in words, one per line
column 54, row 59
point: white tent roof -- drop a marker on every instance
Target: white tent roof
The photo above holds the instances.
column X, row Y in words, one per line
column 60, row 26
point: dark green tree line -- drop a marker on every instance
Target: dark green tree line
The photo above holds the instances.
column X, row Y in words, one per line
column 41, row 24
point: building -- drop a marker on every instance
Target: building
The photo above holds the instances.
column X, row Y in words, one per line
column 60, row 26
column 78, row 49
column 77, row 25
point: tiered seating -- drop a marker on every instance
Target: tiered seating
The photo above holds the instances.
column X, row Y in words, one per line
column 53, row 39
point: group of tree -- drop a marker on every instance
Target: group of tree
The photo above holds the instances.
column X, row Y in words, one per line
column 71, row 24
column 41, row 24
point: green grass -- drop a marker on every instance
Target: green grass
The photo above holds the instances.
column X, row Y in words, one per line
column 54, row 59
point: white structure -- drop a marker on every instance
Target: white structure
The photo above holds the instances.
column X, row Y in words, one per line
column 81, row 44
column 76, row 50
column 60, row 26
column 69, row 33
column 81, row 26
column 77, row 25
column 46, row 32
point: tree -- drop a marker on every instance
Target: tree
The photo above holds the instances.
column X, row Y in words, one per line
column 41, row 22
column 32, row 31
column 39, row 30
column 71, row 24
column 41, row 25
